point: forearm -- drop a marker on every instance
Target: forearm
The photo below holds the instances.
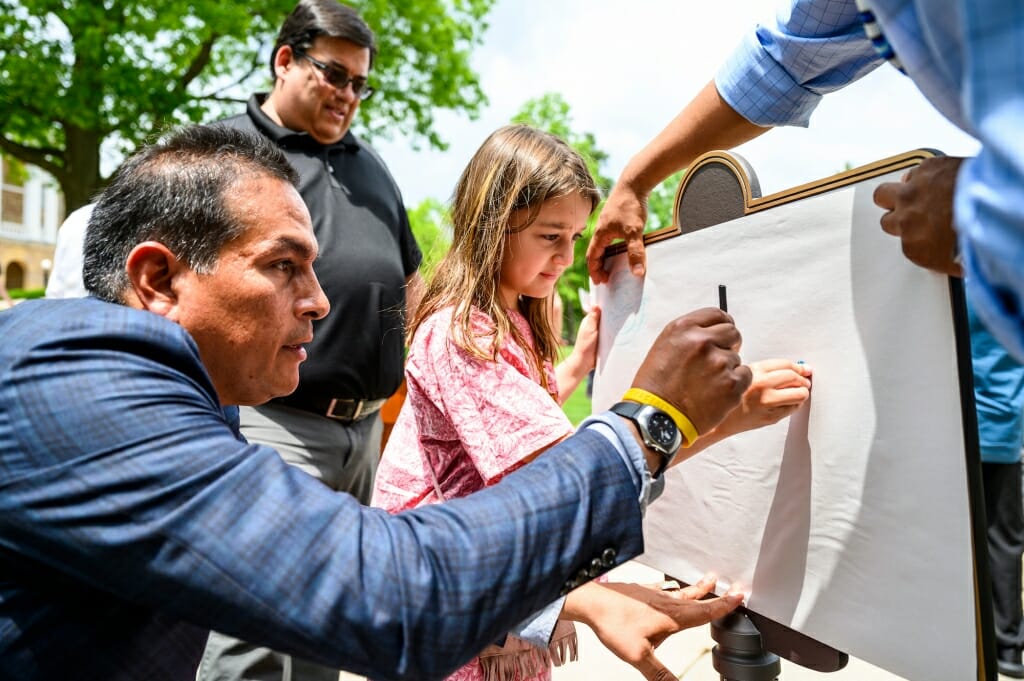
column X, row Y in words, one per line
column 705, row 124
column 585, row 604
column 570, row 373
column 703, row 442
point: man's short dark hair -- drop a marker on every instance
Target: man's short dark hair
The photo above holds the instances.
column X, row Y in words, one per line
column 175, row 192
column 314, row 18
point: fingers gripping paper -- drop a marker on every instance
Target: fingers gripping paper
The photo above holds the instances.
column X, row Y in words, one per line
column 850, row 521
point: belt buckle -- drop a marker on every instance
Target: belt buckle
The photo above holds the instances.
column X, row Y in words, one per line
column 355, row 409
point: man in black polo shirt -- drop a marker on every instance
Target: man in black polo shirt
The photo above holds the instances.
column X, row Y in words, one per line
column 330, row 426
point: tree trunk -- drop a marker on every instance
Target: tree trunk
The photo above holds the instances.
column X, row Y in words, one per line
column 81, row 179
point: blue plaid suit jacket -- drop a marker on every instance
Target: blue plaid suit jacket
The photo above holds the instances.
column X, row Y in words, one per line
column 133, row 518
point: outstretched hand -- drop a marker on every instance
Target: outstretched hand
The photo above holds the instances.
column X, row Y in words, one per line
column 632, row 620
column 623, row 217
column 778, row 388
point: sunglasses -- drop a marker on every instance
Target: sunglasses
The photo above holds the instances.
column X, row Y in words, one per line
column 338, row 78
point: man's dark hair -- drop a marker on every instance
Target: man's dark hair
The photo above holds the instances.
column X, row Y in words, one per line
column 314, row 18
column 175, row 192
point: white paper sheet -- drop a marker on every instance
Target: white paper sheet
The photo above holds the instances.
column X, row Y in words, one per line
column 849, row 521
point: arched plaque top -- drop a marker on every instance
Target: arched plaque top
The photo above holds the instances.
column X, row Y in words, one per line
column 728, row 188
column 718, row 187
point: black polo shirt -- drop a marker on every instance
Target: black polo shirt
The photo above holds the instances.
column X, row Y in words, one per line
column 366, row 252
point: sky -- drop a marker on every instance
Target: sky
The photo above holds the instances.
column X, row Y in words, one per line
column 626, row 68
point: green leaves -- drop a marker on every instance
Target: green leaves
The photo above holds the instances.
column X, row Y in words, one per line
column 432, row 229
column 662, row 201
column 550, row 112
column 81, row 75
column 423, row 64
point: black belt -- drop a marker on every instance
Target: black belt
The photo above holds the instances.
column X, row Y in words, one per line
column 350, row 410
column 344, row 409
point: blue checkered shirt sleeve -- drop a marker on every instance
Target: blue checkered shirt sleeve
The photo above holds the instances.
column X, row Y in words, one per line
column 780, row 71
column 989, row 204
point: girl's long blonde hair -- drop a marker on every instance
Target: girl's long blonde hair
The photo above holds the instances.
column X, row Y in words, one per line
column 517, row 167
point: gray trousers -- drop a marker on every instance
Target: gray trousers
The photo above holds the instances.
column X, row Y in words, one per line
column 343, row 456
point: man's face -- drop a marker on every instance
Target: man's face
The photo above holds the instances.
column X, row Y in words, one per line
column 251, row 316
column 303, row 97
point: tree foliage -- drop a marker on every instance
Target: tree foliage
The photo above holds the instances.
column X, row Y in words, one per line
column 424, row 49
column 15, row 172
column 550, row 113
column 432, row 229
column 662, row 201
column 84, row 75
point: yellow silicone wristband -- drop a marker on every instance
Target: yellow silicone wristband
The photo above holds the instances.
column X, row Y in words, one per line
column 684, row 424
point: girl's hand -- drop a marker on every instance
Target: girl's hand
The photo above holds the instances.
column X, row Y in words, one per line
column 586, row 340
column 778, row 389
column 571, row 372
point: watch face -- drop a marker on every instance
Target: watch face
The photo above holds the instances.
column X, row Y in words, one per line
column 662, row 429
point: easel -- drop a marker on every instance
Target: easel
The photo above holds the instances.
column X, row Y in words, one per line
column 719, row 190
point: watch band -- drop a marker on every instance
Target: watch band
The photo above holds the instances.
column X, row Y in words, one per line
column 644, row 417
column 684, row 424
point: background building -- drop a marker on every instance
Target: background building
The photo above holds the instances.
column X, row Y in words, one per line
column 31, row 210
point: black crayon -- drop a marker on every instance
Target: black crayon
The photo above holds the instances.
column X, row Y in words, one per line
column 723, row 305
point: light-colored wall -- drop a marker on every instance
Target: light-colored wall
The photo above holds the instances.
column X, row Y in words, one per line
column 28, row 238
column 36, row 259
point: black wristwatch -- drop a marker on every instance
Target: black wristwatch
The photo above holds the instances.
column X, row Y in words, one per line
column 659, row 432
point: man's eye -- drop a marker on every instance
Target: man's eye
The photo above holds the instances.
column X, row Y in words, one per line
column 285, row 265
column 550, row 237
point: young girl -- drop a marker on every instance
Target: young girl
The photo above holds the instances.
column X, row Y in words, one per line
column 483, row 397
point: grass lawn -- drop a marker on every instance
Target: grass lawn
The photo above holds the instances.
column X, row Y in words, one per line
column 577, row 407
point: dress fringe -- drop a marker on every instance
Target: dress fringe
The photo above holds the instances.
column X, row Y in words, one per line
column 518, row 660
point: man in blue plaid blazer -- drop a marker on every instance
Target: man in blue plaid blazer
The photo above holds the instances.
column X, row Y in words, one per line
column 134, row 517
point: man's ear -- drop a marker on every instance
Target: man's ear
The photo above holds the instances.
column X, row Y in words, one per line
column 152, row 270
column 284, row 58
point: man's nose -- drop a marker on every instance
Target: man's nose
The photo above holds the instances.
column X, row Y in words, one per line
column 314, row 303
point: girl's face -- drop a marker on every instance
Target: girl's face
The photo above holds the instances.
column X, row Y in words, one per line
column 535, row 257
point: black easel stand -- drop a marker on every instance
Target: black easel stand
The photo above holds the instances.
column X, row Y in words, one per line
column 740, row 655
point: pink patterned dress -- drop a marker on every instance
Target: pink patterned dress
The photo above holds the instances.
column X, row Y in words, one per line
column 465, row 424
